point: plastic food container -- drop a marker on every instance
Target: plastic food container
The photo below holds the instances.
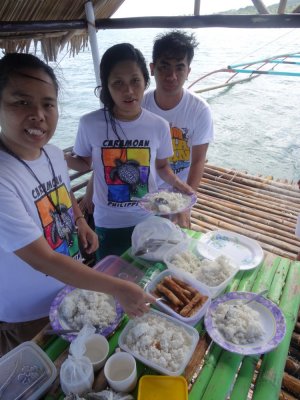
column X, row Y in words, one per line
column 115, row 266
column 162, row 388
column 178, row 325
column 194, row 246
column 26, row 372
column 192, row 320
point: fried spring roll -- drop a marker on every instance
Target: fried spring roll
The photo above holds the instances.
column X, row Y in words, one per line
column 176, row 289
column 187, row 309
column 185, row 285
column 171, row 296
column 197, row 306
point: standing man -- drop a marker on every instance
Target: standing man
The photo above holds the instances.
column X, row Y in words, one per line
column 189, row 116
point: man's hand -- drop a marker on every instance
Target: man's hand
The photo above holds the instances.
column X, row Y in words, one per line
column 182, row 219
column 88, row 238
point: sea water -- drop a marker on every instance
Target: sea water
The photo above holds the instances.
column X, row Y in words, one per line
column 256, row 123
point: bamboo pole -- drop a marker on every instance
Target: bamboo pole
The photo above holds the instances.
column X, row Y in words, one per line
column 243, row 201
column 286, row 396
column 291, row 384
column 195, row 362
column 292, row 367
column 248, row 201
column 252, row 187
column 258, row 227
column 247, row 208
column 244, row 379
column 210, row 362
column 235, row 211
column 270, row 376
column 224, row 373
column 266, row 182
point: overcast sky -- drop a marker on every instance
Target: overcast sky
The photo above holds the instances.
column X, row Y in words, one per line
column 138, row 8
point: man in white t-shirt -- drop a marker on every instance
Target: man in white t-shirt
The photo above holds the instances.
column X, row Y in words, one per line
column 189, row 116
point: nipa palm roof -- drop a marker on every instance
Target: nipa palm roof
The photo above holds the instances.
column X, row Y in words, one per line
column 14, row 13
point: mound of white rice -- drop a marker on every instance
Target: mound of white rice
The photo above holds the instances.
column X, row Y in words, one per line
column 238, row 323
column 160, row 341
column 210, row 272
column 176, row 202
column 84, row 306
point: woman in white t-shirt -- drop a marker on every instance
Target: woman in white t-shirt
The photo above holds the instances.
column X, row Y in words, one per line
column 128, row 147
column 38, row 213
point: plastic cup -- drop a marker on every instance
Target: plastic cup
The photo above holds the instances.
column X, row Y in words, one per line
column 120, row 372
column 97, row 349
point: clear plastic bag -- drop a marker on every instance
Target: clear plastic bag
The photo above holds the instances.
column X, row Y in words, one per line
column 76, row 373
column 109, row 395
column 155, row 228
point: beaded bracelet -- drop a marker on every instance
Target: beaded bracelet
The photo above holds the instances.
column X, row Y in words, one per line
column 76, row 219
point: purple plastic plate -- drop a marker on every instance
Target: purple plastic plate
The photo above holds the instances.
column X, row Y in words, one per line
column 145, row 204
column 272, row 320
column 56, row 322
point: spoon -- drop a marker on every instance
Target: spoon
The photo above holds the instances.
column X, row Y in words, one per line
column 152, row 244
column 158, row 200
column 156, row 300
column 262, row 293
column 259, row 294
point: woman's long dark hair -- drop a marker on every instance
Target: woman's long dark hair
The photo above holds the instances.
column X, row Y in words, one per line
column 115, row 54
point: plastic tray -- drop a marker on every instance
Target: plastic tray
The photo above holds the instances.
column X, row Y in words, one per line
column 192, row 332
column 162, row 387
column 27, row 371
column 195, row 284
column 195, row 247
column 115, row 266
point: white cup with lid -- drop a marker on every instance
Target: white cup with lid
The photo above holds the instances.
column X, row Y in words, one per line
column 120, row 372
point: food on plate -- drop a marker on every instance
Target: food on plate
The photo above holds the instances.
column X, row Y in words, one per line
column 159, row 340
column 210, row 272
column 167, row 202
column 84, row 306
column 238, row 323
column 180, row 296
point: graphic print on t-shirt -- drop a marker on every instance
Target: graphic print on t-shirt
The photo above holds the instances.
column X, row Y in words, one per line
column 55, row 226
column 126, row 173
column 181, row 158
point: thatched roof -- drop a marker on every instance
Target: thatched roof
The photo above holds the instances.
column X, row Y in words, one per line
column 19, row 11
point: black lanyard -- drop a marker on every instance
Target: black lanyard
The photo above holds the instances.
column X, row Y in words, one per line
column 66, row 226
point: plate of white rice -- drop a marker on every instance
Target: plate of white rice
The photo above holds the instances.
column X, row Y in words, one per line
column 255, row 328
column 167, row 201
column 73, row 308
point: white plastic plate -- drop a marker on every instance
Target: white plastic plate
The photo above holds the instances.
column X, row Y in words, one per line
column 245, row 252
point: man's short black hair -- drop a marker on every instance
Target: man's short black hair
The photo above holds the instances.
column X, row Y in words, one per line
column 175, row 44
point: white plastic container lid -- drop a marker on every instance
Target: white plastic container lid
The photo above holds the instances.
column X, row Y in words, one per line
column 194, row 283
column 26, row 372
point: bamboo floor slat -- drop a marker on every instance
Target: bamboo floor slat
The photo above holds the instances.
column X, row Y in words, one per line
column 257, row 207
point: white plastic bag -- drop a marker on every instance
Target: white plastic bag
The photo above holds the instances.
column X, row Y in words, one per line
column 109, row 395
column 155, row 228
column 76, row 373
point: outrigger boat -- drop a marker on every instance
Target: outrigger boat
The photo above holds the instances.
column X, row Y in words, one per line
column 258, row 207
column 252, row 68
